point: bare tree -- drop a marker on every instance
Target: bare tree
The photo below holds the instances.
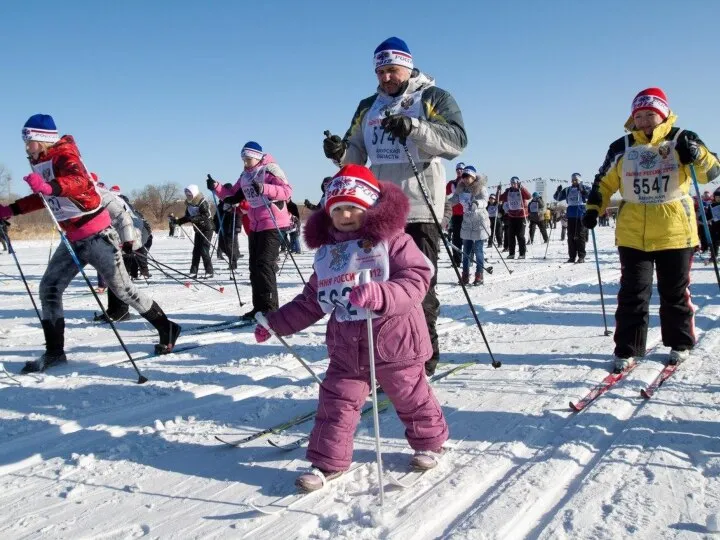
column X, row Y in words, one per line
column 5, row 183
column 155, row 201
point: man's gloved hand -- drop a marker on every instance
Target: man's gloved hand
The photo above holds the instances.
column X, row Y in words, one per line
column 37, row 184
column 559, row 189
column 5, row 212
column 688, row 150
column 590, row 219
column 397, row 124
column 261, row 334
column 127, row 248
column 368, row 295
column 211, row 184
column 334, row 147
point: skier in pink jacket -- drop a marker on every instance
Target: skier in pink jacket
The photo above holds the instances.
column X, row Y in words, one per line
column 362, row 227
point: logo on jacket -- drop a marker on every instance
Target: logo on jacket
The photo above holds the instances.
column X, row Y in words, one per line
column 407, row 102
column 321, row 253
column 664, row 150
column 632, row 155
column 365, row 245
column 648, row 159
column 339, row 256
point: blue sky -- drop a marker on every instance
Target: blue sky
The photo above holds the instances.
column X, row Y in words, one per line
column 169, row 91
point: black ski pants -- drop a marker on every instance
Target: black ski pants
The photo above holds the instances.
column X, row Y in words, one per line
column 516, row 233
column 455, row 226
column 539, row 225
column 497, row 228
column 677, row 317
column 201, row 249
column 264, row 251
column 577, row 238
column 427, row 237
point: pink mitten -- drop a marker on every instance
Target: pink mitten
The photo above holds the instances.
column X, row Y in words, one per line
column 5, row 212
column 261, row 333
column 37, row 184
column 368, row 296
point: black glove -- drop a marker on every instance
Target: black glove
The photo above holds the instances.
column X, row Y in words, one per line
column 688, row 149
column 127, row 248
column 397, row 124
column 211, row 184
column 559, row 189
column 334, row 147
column 257, row 186
column 590, row 219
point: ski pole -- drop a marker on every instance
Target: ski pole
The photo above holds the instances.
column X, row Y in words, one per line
column 218, row 289
column 497, row 219
column 708, row 236
column 602, row 298
column 426, row 196
column 548, row 243
column 365, row 278
column 22, row 276
column 262, row 320
column 141, row 378
column 232, row 244
column 184, row 283
column 52, row 238
column 471, row 258
column 182, row 230
column 233, row 256
column 282, row 236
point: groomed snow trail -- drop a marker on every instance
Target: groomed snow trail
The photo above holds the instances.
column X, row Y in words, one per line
column 86, row 452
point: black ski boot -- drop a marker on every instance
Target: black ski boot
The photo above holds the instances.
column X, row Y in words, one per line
column 168, row 331
column 54, row 348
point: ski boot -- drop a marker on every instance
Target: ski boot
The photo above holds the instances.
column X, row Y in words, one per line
column 678, row 357
column 315, row 479
column 478, row 279
column 54, row 347
column 465, row 278
column 424, row 460
column 168, row 331
column 622, row 364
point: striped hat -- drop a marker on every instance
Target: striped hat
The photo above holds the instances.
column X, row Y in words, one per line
column 393, row 51
column 40, row 128
column 653, row 99
column 470, row 171
column 353, row 185
column 252, row 150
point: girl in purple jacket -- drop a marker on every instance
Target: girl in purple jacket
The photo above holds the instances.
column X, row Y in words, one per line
column 361, row 226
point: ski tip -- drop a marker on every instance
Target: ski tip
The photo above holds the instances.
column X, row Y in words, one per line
column 187, row 284
column 644, row 393
column 222, row 290
column 574, row 407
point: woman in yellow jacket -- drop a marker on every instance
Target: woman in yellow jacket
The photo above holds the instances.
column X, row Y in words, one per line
column 655, row 224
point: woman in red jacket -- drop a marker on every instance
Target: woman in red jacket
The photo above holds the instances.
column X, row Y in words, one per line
column 60, row 178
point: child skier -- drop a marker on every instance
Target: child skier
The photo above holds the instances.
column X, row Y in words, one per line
column 471, row 192
column 362, row 227
column 60, row 178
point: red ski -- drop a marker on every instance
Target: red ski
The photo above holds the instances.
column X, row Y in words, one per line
column 603, row 386
column 663, row 376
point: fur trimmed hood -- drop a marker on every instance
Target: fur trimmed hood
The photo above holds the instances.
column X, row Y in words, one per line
column 387, row 218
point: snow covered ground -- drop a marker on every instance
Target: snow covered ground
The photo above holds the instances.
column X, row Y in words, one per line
column 85, row 452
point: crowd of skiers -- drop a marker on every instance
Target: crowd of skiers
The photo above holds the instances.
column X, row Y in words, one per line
column 387, row 219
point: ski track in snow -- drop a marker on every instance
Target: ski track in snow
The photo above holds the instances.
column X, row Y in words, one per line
column 85, row 452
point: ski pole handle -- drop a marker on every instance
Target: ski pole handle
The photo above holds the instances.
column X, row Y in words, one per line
column 326, row 133
column 262, row 321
